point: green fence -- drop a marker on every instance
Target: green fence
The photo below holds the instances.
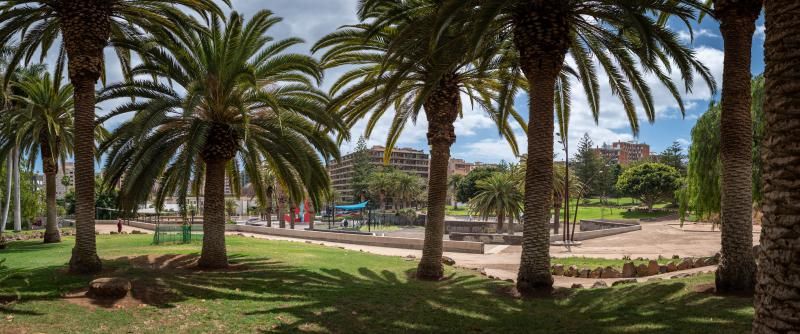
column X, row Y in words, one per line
column 177, row 233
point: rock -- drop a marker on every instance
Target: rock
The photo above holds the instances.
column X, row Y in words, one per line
column 596, row 273
column 112, row 232
column 584, row 273
column 483, row 272
column 680, row 276
column 700, row 262
column 577, row 286
column 572, row 271
column 410, row 256
column 653, row 268
column 558, row 269
column 641, row 270
column 610, row 272
column 599, row 284
column 628, row 269
column 448, row 261
column 136, row 232
column 509, row 280
column 109, row 287
column 240, row 234
column 624, row 281
column 653, row 279
column 662, row 269
column 308, row 241
column 687, row 263
column 671, row 267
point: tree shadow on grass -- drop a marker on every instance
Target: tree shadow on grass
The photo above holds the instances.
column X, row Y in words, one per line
column 262, row 294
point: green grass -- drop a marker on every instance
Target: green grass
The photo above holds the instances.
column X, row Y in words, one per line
column 299, row 287
column 591, row 209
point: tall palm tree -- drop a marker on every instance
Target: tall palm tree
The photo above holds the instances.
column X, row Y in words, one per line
column 624, row 38
column 398, row 69
column 246, row 101
column 499, row 194
column 42, row 125
column 85, row 28
column 382, row 184
column 270, row 184
column 408, row 187
column 736, row 271
column 777, row 302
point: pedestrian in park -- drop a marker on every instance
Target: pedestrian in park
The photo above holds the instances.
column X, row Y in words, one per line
column 119, row 225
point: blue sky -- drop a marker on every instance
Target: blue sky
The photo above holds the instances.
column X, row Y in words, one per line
column 477, row 137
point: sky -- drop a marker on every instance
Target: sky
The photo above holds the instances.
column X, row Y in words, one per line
column 477, row 136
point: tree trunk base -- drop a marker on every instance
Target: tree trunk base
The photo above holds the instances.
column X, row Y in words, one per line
column 738, row 280
column 534, row 283
column 209, row 262
column 430, row 272
column 52, row 237
column 84, row 265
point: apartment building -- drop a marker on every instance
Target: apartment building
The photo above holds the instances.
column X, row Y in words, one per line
column 624, row 152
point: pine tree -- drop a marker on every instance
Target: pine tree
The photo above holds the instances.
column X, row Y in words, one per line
column 587, row 164
column 674, row 157
column 362, row 169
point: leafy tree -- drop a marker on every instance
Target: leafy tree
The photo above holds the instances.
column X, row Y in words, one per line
column 362, row 169
column 260, row 106
column 409, row 186
column 587, row 165
column 469, row 188
column 399, row 68
column 81, row 30
column 650, row 182
column 501, row 195
column 383, row 185
column 591, row 32
column 674, row 157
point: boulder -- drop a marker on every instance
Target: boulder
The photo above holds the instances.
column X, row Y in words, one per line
column 671, row 267
column 681, row 275
column 653, row 268
column 136, row 232
column 610, row 272
column 700, row 262
column 662, row 269
column 572, row 271
column 599, row 284
column 641, row 270
column 628, row 269
column 596, row 273
column 448, row 261
column 112, row 232
column 584, row 273
column 624, row 281
column 109, row 287
column 653, row 279
column 577, row 286
column 558, row 269
column 687, row 263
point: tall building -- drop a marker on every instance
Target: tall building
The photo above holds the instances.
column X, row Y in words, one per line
column 624, row 152
column 65, row 175
column 461, row 167
column 403, row 159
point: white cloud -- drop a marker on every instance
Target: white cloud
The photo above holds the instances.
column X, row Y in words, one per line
column 685, row 36
column 761, row 32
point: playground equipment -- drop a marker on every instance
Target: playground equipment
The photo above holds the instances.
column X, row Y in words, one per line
column 175, row 230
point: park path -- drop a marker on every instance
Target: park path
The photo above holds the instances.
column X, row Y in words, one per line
column 502, row 261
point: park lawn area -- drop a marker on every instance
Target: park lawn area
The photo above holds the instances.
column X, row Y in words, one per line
column 596, row 212
column 592, row 263
column 281, row 286
column 463, row 210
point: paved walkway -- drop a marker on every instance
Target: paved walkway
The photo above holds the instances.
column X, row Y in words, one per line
column 502, row 261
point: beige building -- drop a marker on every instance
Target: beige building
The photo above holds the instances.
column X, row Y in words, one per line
column 624, row 152
column 65, row 174
column 403, row 159
column 461, row 167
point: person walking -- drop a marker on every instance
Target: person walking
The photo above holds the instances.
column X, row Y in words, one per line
column 119, row 225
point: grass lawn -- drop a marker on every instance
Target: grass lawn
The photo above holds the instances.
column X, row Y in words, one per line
column 592, row 263
column 591, row 209
column 279, row 286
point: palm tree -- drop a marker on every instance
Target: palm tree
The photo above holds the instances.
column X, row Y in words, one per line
column 270, row 184
column 736, row 271
column 624, row 38
column 777, row 303
column 383, row 184
column 499, row 194
column 85, row 28
column 396, row 68
column 246, row 101
column 42, row 123
column 454, row 182
column 408, row 187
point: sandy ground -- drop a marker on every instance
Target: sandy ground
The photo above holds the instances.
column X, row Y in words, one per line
column 661, row 238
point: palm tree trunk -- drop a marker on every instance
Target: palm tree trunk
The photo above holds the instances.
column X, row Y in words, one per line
column 17, row 203
column 441, row 109
column 269, row 209
column 510, row 227
column 84, row 254
column 214, row 254
column 777, row 300
column 736, row 271
column 292, row 216
column 281, row 205
column 50, row 168
column 556, row 215
column 9, row 181
column 541, row 34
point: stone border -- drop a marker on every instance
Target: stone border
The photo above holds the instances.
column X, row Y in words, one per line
column 368, row 240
